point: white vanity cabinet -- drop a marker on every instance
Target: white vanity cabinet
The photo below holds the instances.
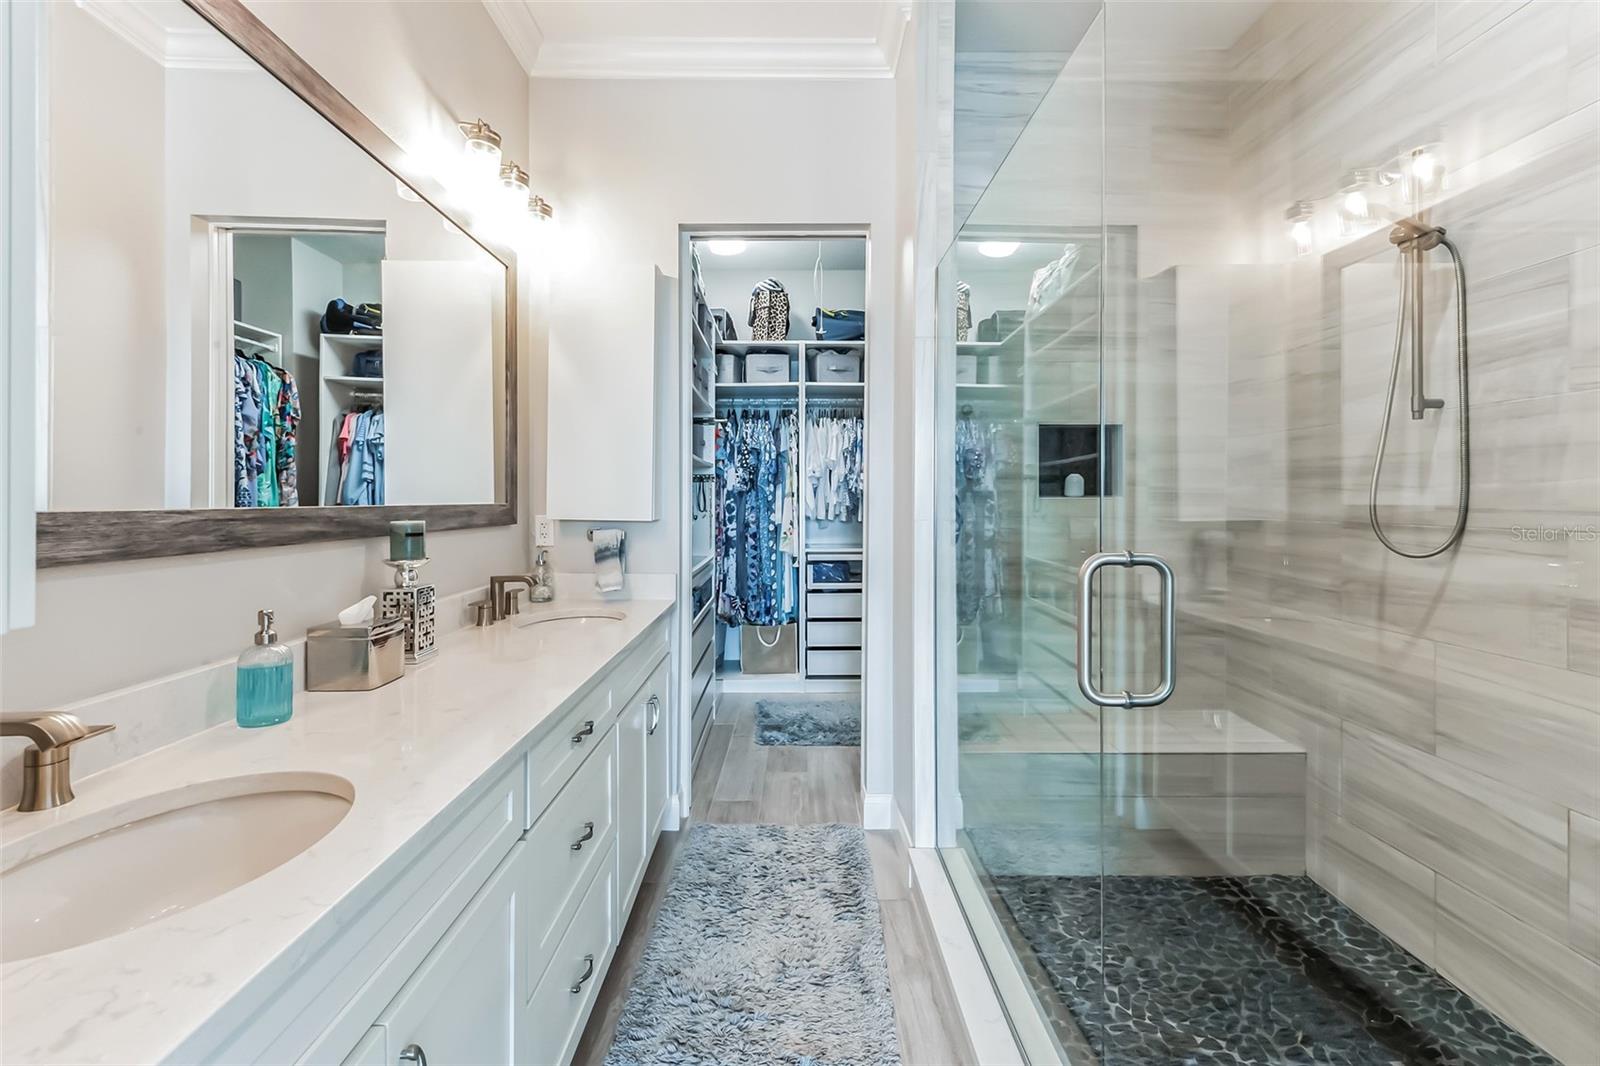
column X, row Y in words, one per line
column 462, row 1004
column 514, row 976
column 642, row 789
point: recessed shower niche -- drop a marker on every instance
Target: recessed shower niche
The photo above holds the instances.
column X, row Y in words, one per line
column 1069, row 460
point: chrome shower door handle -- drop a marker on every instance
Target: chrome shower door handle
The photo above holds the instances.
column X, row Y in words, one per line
column 1169, row 643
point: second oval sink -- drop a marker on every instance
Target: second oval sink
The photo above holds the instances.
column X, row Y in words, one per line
column 116, row 870
column 575, row 618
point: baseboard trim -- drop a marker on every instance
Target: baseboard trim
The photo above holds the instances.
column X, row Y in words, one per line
column 988, row 1030
column 877, row 810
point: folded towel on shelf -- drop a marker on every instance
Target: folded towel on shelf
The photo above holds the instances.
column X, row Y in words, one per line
column 608, row 559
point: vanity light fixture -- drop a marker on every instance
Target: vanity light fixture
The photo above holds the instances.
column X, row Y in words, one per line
column 482, row 150
column 1421, row 172
column 514, row 187
column 998, row 249
column 540, row 211
column 727, row 247
column 406, row 192
column 1355, row 205
column 1299, row 218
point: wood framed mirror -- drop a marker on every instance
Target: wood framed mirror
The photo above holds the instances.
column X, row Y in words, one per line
column 267, row 323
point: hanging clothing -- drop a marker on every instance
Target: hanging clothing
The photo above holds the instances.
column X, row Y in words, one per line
column 757, row 527
column 266, row 420
column 980, row 552
column 835, row 463
column 359, row 449
column 769, row 311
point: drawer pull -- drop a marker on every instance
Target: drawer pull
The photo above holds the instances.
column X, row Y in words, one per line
column 588, row 972
column 414, row 1053
column 588, row 835
column 586, row 731
column 655, row 715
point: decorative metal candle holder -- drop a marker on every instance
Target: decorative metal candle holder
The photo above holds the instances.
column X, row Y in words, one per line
column 414, row 602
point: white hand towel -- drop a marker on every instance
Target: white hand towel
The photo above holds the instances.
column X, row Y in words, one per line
column 609, row 550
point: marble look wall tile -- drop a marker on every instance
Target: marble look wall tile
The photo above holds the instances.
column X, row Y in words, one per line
column 1532, row 981
column 1583, row 611
column 1583, row 53
column 1495, row 592
column 1583, row 340
column 1497, row 840
column 1583, row 884
column 1521, row 330
column 1387, row 887
column 1532, row 726
column 1461, row 21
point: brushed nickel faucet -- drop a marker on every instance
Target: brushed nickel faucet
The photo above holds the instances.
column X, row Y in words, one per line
column 503, row 600
column 47, row 763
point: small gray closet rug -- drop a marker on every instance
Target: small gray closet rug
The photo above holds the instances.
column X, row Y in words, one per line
column 767, row 949
column 805, row 721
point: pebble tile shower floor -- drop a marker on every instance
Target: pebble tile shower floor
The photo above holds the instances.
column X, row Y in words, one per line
column 1249, row 971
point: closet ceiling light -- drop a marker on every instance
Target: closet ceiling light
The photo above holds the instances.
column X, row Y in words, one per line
column 727, row 247
column 482, row 149
column 406, row 192
column 998, row 249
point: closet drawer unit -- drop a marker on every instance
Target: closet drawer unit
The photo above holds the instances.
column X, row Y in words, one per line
column 553, row 1020
column 704, row 669
column 845, row 605
column 833, row 635
column 564, row 846
column 705, row 632
column 555, row 758
column 833, row 663
column 834, row 571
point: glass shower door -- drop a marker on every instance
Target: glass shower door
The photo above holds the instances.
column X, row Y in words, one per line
column 1029, row 289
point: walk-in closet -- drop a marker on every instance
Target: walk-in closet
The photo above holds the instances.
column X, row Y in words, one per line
column 775, row 352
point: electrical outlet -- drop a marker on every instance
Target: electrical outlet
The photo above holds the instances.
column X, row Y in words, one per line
column 544, row 532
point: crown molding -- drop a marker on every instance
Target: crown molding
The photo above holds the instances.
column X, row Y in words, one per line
column 711, row 57
column 516, row 22
column 892, row 25
column 175, row 48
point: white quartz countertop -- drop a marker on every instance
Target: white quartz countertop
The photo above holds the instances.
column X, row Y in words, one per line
column 413, row 750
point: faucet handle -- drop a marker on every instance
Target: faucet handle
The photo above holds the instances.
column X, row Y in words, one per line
column 49, row 730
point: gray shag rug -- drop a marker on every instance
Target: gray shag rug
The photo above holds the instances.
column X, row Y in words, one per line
column 767, row 949
column 806, row 722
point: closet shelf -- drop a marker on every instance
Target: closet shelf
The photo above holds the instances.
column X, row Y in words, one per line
column 351, row 379
column 735, row 390
column 835, row 390
column 700, row 564
column 703, row 463
column 746, row 347
column 364, row 340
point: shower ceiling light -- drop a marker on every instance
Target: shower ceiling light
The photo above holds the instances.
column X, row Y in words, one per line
column 1299, row 218
column 481, row 150
column 727, row 247
column 998, row 249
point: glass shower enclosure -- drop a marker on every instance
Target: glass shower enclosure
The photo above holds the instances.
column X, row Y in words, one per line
column 1221, row 778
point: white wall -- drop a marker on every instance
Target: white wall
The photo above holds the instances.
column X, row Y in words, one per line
column 419, row 64
column 628, row 162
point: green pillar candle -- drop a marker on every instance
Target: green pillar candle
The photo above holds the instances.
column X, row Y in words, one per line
column 406, row 540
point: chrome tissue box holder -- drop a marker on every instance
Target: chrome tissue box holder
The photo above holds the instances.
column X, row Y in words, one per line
column 357, row 658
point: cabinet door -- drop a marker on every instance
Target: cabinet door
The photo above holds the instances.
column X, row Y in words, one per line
column 657, row 756
column 461, row 1005
column 632, row 841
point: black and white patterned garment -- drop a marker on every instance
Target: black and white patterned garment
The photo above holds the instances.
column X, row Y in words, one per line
column 769, row 311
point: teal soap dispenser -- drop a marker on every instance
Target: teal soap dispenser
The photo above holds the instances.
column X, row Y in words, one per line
column 265, row 679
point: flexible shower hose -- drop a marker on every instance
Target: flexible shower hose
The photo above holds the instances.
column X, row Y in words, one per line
column 1464, row 451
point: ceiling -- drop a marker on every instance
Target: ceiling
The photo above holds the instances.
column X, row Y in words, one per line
column 703, row 38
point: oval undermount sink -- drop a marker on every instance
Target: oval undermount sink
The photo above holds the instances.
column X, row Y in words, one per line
column 111, row 871
column 576, row 618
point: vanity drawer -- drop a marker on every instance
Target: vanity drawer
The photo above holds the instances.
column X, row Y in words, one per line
column 554, row 759
column 566, row 842
column 553, row 1021
column 833, row 634
column 833, row 664
column 833, row 605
